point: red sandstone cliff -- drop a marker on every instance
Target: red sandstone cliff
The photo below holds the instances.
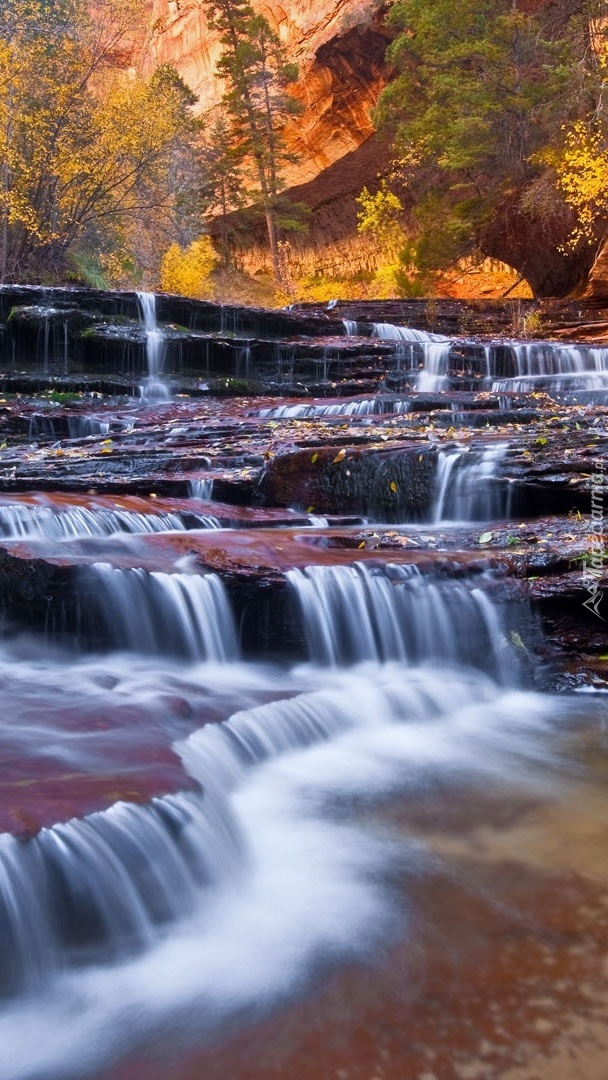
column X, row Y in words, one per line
column 339, row 46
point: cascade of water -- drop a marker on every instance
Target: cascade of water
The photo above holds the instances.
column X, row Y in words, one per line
column 432, row 377
column 154, row 388
column 242, row 364
column 544, row 365
column 389, row 332
column 534, row 363
column 41, row 427
column 201, row 489
column 351, row 327
column 466, row 485
column 44, row 522
column 421, row 349
column 548, row 358
column 105, row 885
column 47, row 331
column 185, row 615
column 380, row 405
column 285, row 358
column 81, row 427
column 355, row 613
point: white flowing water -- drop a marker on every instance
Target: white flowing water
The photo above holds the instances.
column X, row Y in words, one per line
column 21, row 520
column 377, row 406
column 419, row 351
column 185, row 615
column 201, row 489
column 154, row 388
column 42, row 425
column 356, row 613
column 160, row 923
column 467, row 487
column 545, row 365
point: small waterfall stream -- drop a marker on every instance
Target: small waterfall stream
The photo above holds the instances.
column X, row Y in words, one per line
column 185, row 615
column 467, row 488
column 354, row 613
column 47, row 523
column 154, row 388
column 500, row 366
column 201, row 489
column 381, row 404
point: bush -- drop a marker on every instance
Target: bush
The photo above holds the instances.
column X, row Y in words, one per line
column 187, row 271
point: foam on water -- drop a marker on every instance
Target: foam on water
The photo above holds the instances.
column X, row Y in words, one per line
column 305, row 888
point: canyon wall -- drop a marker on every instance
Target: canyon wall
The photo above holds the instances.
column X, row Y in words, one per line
column 339, row 46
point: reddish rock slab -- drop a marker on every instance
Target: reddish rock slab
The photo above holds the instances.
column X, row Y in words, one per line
column 77, row 735
column 258, row 553
column 68, row 760
column 225, row 513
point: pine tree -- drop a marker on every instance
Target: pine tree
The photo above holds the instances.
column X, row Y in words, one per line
column 257, row 75
column 222, row 188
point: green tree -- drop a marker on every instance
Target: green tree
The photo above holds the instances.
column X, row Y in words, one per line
column 257, row 101
column 482, row 89
column 221, row 191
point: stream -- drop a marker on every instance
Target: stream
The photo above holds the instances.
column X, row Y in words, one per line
column 304, row 726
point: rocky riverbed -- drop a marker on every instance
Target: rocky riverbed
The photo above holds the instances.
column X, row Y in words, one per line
column 299, row 568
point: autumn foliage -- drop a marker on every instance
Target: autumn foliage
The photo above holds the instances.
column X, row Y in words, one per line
column 85, row 149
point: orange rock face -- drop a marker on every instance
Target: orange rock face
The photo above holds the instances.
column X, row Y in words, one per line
column 339, row 47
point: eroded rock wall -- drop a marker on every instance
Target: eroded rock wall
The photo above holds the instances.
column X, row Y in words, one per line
column 339, row 46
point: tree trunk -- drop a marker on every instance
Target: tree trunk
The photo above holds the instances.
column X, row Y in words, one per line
column 274, row 247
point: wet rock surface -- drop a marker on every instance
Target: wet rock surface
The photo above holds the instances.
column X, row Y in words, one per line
column 161, row 528
column 288, row 442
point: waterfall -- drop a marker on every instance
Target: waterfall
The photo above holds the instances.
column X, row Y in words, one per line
column 356, row 613
column 184, row 615
column 499, row 366
column 45, row 522
column 154, row 388
column 258, row 880
column 201, row 489
column 547, row 358
column 425, row 354
column 466, row 485
column 380, row 405
column 389, row 332
column 105, row 885
column 41, row 426
column 81, row 427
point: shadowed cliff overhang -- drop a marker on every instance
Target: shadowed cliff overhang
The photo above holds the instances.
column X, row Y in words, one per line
column 340, row 49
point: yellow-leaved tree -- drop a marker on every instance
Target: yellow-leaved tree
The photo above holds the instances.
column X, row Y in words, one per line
column 86, row 145
column 581, row 166
column 187, row 270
